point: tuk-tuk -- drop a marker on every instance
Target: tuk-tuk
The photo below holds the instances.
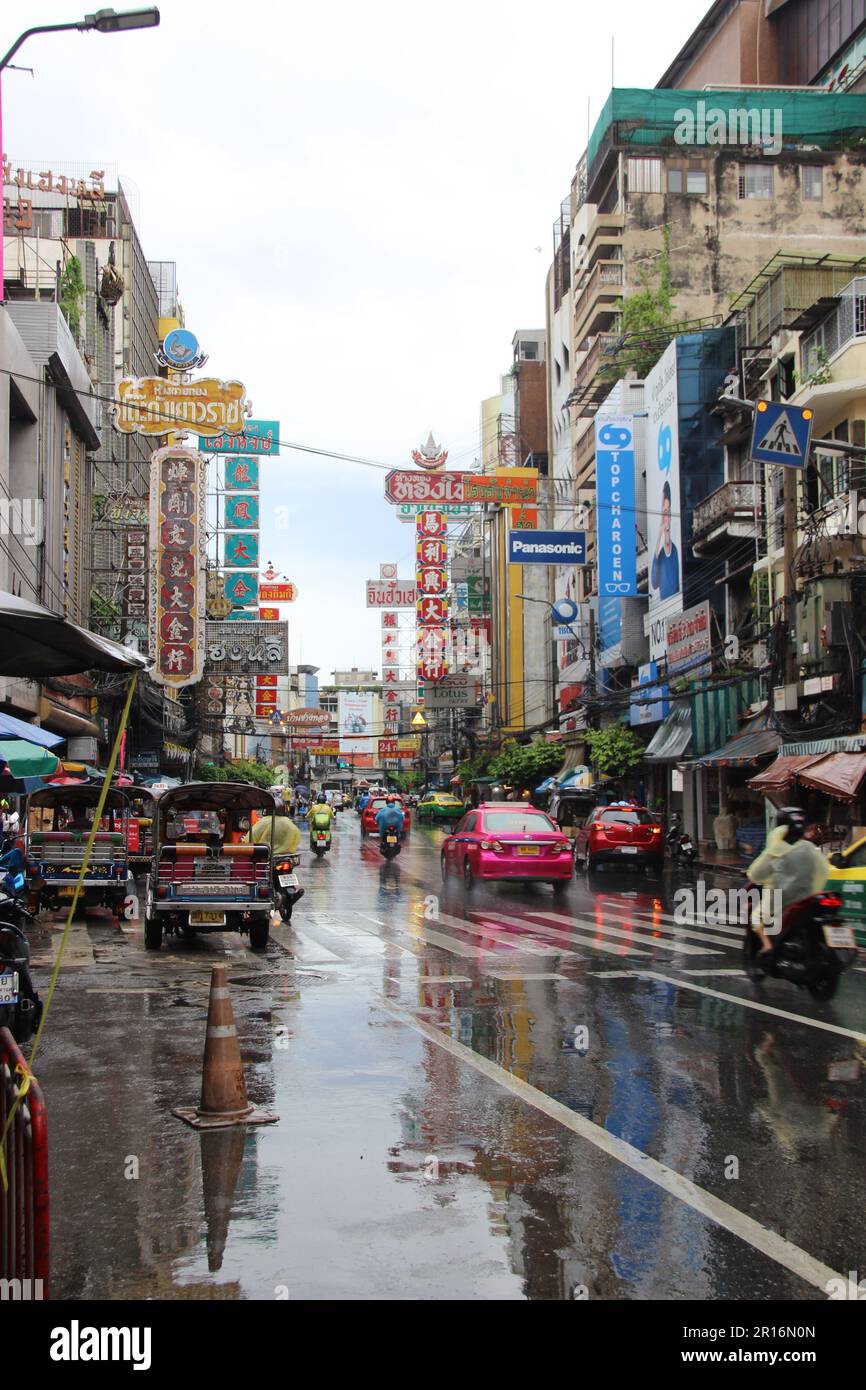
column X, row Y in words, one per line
column 570, row 807
column 142, row 812
column 206, row 874
column 58, row 824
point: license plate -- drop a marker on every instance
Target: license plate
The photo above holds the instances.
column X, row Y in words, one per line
column 528, row 849
column 65, row 892
column 207, row 919
column 288, row 880
column 628, row 849
column 9, row 989
column 841, row 938
column 392, row 839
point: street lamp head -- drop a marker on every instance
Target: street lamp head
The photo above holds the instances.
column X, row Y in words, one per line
column 112, row 22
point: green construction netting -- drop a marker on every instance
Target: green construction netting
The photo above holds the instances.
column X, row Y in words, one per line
column 650, row 117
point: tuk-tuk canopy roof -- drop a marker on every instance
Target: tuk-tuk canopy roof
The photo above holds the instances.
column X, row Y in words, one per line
column 78, row 794
column 216, row 796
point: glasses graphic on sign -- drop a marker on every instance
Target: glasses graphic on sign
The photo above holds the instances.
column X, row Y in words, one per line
column 665, row 574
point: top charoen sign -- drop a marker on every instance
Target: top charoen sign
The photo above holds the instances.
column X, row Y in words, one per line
column 151, row 405
column 254, row 437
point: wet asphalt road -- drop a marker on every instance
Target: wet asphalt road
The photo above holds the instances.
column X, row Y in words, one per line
column 444, row 1130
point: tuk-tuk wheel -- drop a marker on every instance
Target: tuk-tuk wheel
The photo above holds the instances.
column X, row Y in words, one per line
column 259, row 932
column 152, row 933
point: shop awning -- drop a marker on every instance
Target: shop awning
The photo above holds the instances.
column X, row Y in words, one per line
column 839, row 775
column 671, row 740
column 757, row 739
column 782, row 773
column 36, row 642
column 10, row 727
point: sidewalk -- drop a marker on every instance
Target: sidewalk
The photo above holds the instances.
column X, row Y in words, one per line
column 726, row 860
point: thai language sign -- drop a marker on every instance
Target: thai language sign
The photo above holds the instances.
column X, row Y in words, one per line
column 387, row 593
column 254, row 437
column 155, row 405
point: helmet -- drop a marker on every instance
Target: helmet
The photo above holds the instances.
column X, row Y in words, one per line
column 794, row 818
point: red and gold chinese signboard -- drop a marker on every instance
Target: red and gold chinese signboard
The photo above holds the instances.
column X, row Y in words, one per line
column 431, row 583
column 177, row 579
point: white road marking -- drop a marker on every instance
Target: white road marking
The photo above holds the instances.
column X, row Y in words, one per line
column 680, row 947
column 588, row 941
column 443, row 980
column 308, row 949
column 519, row 976
column 753, row 1004
column 527, row 946
column 744, row 1227
column 733, row 936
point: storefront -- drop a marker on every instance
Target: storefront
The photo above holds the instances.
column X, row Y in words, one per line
column 669, row 789
column 722, row 786
column 827, row 778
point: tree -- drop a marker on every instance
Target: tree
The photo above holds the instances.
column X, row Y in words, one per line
column 614, row 751
column 528, row 763
column 646, row 320
column 241, row 771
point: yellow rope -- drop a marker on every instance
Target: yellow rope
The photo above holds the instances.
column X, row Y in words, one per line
column 100, row 806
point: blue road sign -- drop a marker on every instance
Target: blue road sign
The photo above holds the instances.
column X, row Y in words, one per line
column 547, row 548
column 781, row 434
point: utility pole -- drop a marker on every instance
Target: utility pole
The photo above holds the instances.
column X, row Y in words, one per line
column 789, row 522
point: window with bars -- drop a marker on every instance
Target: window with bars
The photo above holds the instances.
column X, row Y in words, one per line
column 812, row 182
column 755, row 181
column 644, row 175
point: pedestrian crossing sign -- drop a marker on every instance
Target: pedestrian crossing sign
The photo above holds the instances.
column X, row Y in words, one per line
column 781, row 434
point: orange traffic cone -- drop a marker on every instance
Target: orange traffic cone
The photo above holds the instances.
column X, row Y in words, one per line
column 223, row 1093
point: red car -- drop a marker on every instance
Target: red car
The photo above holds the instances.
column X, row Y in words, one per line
column 503, row 840
column 372, row 809
column 620, row 834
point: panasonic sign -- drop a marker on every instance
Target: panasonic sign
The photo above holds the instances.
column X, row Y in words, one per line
column 547, row 548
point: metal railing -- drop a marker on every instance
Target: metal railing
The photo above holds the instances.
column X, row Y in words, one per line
column 24, row 1229
column 604, row 278
column 735, row 500
column 846, row 324
column 595, row 357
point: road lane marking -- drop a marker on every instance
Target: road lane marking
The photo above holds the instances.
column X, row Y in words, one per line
column 588, row 941
column 746, row 1228
column 682, row 948
column 516, row 944
column 753, row 1004
column 733, row 935
column 519, row 976
column 444, row 980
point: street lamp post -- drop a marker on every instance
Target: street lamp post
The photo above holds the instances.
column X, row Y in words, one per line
column 104, row 22
column 419, row 722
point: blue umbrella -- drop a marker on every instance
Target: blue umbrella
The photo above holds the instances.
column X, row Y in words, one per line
column 546, row 784
column 10, row 727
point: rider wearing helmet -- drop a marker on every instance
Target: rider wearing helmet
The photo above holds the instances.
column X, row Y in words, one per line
column 390, row 816
column 321, row 813
column 790, row 864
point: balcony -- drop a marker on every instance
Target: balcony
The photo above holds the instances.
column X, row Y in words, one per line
column 597, row 293
column 846, row 324
column 594, row 359
column 584, row 452
column 733, row 512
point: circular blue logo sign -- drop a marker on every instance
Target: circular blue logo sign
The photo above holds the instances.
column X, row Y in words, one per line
column 666, row 448
column 565, row 610
column 180, row 347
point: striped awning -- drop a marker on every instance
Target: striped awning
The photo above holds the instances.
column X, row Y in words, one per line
column 757, row 739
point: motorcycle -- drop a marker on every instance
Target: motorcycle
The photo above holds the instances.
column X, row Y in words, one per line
column 20, row 1005
column 812, row 955
column 679, row 846
column 390, row 843
column 287, row 890
column 320, row 840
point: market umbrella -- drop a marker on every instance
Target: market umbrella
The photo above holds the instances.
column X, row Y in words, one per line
column 26, row 759
column 10, row 727
column 36, row 642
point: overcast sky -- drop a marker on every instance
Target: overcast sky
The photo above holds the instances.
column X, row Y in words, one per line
column 360, row 201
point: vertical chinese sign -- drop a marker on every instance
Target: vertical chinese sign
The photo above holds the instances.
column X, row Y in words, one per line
column 431, row 583
column 177, row 581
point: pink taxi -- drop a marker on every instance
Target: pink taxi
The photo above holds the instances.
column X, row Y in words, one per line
column 508, row 840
